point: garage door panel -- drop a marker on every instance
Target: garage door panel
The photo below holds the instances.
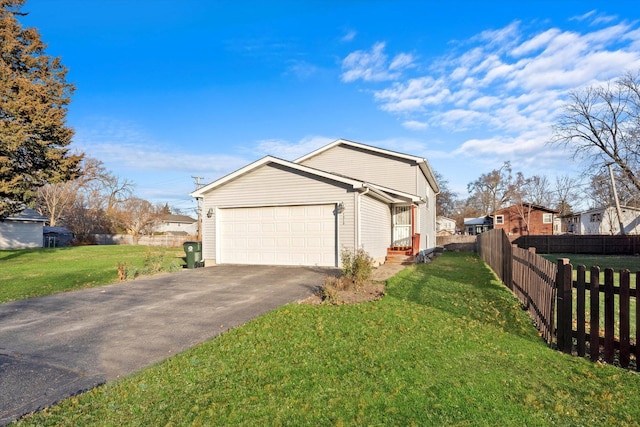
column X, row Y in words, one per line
column 283, row 227
column 283, row 235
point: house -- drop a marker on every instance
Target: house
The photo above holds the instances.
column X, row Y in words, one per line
column 445, row 226
column 22, row 230
column 602, row 220
column 343, row 195
column 475, row 226
column 524, row 219
column 180, row 225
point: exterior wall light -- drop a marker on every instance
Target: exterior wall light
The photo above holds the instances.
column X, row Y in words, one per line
column 340, row 207
column 210, row 213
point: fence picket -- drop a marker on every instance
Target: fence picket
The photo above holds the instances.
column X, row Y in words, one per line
column 624, row 318
column 637, row 347
column 565, row 300
column 594, row 314
column 609, row 316
column 580, row 310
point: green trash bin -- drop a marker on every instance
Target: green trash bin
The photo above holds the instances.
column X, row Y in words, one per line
column 194, row 254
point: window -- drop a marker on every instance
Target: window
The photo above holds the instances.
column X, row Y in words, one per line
column 547, row 218
column 499, row 219
column 596, row 217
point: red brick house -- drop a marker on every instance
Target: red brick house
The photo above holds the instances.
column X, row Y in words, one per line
column 524, row 219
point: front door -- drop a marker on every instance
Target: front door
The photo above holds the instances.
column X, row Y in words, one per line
column 402, row 226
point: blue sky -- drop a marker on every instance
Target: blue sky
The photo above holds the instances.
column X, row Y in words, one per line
column 167, row 90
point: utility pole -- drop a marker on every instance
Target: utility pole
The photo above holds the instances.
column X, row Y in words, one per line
column 197, row 180
column 615, row 197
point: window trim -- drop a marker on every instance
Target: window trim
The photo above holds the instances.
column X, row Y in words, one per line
column 499, row 220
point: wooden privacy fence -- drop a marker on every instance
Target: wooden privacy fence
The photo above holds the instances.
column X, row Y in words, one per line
column 576, row 315
column 604, row 321
column 534, row 283
column 582, row 244
column 495, row 249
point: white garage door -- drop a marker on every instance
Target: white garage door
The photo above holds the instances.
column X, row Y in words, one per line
column 278, row 235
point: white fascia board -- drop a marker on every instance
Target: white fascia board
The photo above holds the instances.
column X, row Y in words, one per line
column 431, row 177
column 403, row 197
column 269, row 159
column 361, row 146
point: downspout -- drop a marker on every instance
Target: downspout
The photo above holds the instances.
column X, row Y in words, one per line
column 358, row 213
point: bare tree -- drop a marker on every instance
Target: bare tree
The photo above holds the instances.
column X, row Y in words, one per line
column 520, row 194
column 56, row 200
column 492, row 190
column 446, row 199
column 566, row 193
column 602, row 125
column 137, row 217
column 538, row 190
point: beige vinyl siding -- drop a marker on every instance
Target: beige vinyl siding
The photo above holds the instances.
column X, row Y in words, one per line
column 368, row 166
column 277, row 185
column 375, row 227
column 20, row 235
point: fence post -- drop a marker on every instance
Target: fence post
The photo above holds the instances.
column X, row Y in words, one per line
column 564, row 282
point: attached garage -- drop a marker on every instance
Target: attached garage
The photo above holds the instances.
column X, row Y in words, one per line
column 278, row 235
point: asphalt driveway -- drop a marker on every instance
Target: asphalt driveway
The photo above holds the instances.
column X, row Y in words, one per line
column 57, row 346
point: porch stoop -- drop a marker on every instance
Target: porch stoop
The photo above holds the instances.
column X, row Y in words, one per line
column 403, row 256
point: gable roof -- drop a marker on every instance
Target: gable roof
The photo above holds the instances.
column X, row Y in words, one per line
column 532, row 205
column 387, row 194
column 601, row 209
column 178, row 218
column 27, row 214
column 421, row 162
column 477, row 221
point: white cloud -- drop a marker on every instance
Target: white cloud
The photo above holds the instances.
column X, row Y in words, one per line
column 373, row 65
column 291, row 150
column 124, row 146
column 415, row 125
column 504, row 85
column 302, row 69
column 584, row 16
column 349, row 36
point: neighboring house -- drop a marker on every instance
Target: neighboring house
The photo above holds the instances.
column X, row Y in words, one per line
column 445, row 226
column 602, row 221
column 475, row 226
column 343, row 195
column 22, row 230
column 177, row 225
column 524, row 219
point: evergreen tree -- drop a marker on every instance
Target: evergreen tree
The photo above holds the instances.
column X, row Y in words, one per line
column 34, row 137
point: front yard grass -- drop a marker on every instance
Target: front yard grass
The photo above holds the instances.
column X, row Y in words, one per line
column 31, row 273
column 447, row 345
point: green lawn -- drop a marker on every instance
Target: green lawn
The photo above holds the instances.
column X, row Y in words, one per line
column 617, row 262
column 447, row 345
column 37, row 272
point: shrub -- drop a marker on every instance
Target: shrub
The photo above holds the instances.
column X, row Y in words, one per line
column 126, row 272
column 153, row 262
column 331, row 288
column 122, row 271
column 357, row 266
